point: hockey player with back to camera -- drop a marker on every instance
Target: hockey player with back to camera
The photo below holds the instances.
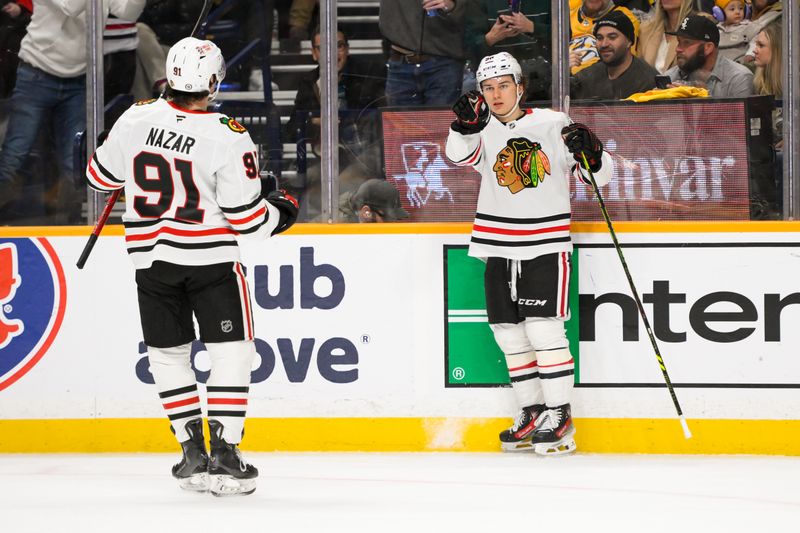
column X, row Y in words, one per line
column 192, row 185
column 522, row 232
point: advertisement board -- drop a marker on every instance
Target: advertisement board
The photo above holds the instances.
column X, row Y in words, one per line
column 383, row 338
column 716, row 326
column 672, row 161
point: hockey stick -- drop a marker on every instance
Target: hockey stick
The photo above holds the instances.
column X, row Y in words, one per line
column 98, row 227
column 103, row 218
column 203, row 14
column 662, row 366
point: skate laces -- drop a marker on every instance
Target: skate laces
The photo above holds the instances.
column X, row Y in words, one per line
column 549, row 420
column 242, row 463
column 520, row 421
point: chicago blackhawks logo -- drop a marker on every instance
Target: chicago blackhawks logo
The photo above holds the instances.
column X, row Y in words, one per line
column 521, row 164
column 232, row 124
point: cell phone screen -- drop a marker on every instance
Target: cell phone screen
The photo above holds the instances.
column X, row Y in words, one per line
column 663, row 81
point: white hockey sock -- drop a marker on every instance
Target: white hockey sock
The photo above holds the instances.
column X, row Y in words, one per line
column 229, row 384
column 524, row 374
column 176, row 385
column 521, row 362
column 557, row 372
column 556, row 366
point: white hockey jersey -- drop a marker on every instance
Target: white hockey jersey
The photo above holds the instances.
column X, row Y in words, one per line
column 192, row 184
column 523, row 204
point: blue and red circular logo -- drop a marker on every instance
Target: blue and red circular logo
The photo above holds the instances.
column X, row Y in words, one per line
column 33, row 297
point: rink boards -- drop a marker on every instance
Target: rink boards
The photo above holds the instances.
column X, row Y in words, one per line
column 374, row 337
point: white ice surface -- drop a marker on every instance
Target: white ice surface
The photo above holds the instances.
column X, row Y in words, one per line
column 414, row 492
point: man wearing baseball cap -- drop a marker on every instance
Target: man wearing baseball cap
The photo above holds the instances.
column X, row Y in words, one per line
column 699, row 63
column 376, row 200
column 619, row 73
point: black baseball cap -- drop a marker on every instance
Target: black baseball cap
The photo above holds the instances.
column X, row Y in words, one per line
column 698, row 27
column 381, row 196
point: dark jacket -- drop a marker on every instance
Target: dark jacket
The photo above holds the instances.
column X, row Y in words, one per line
column 593, row 82
column 363, row 89
column 171, row 20
column 479, row 19
column 12, row 30
column 404, row 23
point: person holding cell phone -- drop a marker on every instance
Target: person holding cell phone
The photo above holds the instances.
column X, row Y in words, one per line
column 520, row 27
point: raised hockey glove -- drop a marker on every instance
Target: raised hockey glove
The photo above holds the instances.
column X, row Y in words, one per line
column 472, row 113
column 581, row 140
column 287, row 207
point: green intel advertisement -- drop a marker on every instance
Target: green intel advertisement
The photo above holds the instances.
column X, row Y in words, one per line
column 472, row 358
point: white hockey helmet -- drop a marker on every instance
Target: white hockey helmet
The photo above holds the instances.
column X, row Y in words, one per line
column 502, row 64
column 191, row 63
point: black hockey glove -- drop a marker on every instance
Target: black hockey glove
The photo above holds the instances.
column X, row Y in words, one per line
column 472, row 113
column 287, row 206
column 580, row 140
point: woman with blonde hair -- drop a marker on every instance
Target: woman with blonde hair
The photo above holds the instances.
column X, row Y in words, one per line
column 768, row 77
column 655, row 46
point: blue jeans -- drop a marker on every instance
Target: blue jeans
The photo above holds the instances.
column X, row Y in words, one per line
column 435, row 82
column 40, row 96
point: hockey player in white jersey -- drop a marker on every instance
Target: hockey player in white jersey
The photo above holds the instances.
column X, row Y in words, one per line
column 522, row 232
column 192, row 188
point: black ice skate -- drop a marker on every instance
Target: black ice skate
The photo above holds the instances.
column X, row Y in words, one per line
column 229, row 473
column 192, row 471
column 518, row 437
column 554, row 432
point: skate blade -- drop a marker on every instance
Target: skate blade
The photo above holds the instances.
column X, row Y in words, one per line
column 195, row 483
column 230, row 486
column 521, row 446
column 560, row 447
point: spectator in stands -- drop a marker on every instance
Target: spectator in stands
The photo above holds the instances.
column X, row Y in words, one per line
column 769, row 77
column 151, row 57
column 764, row 12
column 300, row 14
column 619, row 73
column 582, row 44
column 426, row 51
column 361, row 85
column 14, row 19
column 640, row 8
column 735, row 32
column 51, row 85
column 120, row 41
column 699, row 63
column 656, row 46
column 360, row 89
column 490, row 28
column 376, row 200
